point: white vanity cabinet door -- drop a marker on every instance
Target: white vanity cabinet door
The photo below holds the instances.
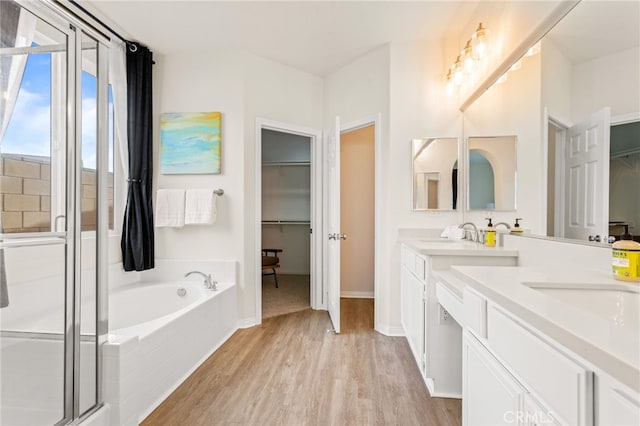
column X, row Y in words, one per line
column 492, row 396
column 415, row 318
column 535, row 414
column 562, row 382
column 412, row 293
column 615, row 405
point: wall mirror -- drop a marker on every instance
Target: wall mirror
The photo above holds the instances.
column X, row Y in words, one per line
column 603, row 76
column 491, row 179
column 435, row 173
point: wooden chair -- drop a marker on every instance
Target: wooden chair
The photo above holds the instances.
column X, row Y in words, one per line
column 271, row 261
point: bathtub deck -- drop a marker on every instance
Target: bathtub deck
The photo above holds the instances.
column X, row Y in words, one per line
column 291, row 371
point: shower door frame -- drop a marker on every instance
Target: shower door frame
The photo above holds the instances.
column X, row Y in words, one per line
column 73, row 27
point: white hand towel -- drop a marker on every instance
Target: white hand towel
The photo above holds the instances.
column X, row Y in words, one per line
column 453, row 233
column 200, row 207
column 170, row 208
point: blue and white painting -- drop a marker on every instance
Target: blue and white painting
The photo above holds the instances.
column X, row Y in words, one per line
column 190, row 143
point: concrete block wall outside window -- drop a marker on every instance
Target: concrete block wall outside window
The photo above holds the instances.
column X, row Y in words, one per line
column 25, row 195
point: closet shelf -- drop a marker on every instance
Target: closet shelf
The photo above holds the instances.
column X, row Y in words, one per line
column 285, row 163
column 286, row 222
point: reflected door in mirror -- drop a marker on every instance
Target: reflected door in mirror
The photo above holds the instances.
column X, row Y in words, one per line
column 435, row 173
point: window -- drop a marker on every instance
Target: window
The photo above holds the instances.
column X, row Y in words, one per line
column 32, row 151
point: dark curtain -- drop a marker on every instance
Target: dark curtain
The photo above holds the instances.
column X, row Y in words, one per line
column 137, row 233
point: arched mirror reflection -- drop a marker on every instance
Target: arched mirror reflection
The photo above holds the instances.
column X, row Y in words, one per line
column 492, row 173
column 435, row 173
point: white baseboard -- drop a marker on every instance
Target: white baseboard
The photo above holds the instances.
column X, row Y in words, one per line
column 396, row 331
column 357, row 294
column 247, row 322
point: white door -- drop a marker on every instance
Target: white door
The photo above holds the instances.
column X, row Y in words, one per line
column 332, row 142
column 586, row 178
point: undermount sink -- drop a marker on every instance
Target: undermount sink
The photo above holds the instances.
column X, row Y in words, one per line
column 617, row 302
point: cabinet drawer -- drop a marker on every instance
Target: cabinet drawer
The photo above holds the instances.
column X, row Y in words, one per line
column 475, row 308
column 565, row 386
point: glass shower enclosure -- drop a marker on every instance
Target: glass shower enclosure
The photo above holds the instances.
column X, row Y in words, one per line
column 53, row 222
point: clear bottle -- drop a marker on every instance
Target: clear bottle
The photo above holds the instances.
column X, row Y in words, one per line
column 626, row 258
column 516, row 228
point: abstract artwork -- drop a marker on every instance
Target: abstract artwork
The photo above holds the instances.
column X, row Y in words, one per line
column 190, row 143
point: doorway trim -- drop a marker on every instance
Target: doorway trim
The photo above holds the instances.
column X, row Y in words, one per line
column 376, row 121
column 561, row 125
column 315, row 285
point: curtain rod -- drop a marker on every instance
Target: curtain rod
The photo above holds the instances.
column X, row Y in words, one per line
column 130, row 44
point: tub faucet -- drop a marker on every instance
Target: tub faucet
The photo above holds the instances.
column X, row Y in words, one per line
column 208, row 282
column 475, row 237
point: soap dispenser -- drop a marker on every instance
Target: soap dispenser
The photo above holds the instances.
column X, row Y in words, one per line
column 516, row 228
column 490, row 234
column 626, row 258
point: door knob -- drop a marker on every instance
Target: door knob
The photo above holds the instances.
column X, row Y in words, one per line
column 333, row 236
column 594, row 238
column 342, row 236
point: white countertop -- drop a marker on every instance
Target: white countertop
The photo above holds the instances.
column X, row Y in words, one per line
column 610, row 342
column 445, row 247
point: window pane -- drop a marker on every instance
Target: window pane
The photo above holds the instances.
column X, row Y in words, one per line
column 33, row 109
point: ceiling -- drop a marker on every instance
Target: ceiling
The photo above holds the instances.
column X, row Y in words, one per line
column 315, row 36
column 598, row 28
column 322, row 36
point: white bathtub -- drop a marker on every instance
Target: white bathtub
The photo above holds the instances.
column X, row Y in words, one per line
column 140, row 308
column 158, row 338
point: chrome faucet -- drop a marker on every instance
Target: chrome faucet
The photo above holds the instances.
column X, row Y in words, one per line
column 475, row 236
column 208, row 282
column 502, row 223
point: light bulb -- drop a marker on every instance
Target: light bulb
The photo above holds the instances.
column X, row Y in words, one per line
column 516, row 66
column 480, row 42
column 468, row 58
column 457, row 71
column 533, row 50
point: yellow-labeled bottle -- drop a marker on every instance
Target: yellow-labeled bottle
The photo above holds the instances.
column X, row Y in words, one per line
column 490, row 234
column 626, row 258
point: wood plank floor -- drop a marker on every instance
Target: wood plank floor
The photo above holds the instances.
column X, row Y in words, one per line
column 291, row 371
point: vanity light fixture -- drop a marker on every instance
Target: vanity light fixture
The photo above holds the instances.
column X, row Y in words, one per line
column 469, row 59
column 533, row 50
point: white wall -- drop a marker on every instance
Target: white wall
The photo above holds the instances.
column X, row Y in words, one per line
column 242, row 86
column 606, row 81
column 556, row 82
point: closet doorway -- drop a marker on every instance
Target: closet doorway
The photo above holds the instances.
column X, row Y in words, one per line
column 286, row 180
column 357, row 221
